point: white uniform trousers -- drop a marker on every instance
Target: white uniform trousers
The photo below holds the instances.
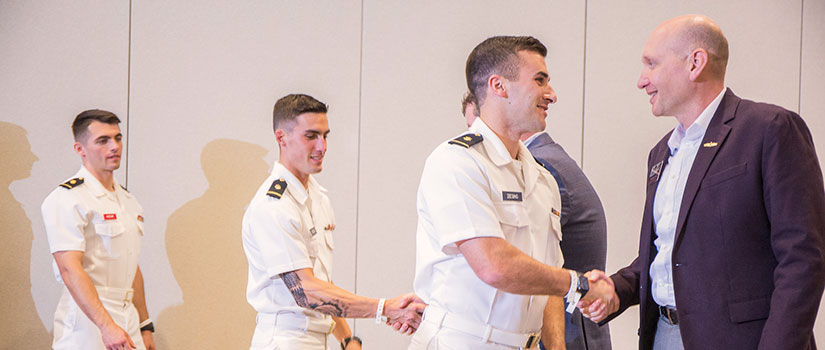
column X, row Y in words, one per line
column 73, row 330
column 436, row 333
column 288, row 331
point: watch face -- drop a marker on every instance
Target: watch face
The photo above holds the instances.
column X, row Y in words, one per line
column 584, row 285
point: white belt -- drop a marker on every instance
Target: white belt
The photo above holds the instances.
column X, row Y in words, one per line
column 124, row 295
column 487, row 333
column 297, row 322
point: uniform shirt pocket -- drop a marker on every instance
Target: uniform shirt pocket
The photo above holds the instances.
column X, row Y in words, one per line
column 555, row 223
column 328, row 236
column 513, row 218
column 109, row 234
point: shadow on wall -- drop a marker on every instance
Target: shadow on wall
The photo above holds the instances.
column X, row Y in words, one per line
column 24, row 329
column 203, row 240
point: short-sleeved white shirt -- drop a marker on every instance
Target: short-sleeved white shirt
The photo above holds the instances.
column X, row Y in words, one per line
column 480, row 191
column 286, row 234
column 105, row 225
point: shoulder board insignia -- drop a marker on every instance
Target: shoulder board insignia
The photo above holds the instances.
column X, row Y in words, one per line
column 72, row 183
column 467, row 140
column 277, row 189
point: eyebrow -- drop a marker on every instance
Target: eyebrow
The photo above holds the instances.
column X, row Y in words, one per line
column 316, row 132
column 104, row 137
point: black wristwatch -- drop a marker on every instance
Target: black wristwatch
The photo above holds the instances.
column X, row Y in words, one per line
column 584, row 285
column 149, row 327
column 347, row 340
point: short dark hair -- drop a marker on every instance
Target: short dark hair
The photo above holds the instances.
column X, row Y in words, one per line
column 81, row 123
column 289, row 107
column 469, row 99
column 497, row 55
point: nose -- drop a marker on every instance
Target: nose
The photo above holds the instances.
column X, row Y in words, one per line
column 550, row 97
column 115, row 145
column 642, row 82
column 321, row 145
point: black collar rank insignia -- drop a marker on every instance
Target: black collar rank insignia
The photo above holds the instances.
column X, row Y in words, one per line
column 277, row 189
column 467, row 140
column 72, row 183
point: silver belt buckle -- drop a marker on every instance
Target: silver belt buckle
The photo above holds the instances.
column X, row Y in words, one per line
column 533, row 339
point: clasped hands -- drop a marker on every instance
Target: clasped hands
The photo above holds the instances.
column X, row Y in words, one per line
column 601, row 300
column 404, row 313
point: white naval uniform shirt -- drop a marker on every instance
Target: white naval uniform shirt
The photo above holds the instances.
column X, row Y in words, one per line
column 461, row 196
column 286, row 234
column 106, row 226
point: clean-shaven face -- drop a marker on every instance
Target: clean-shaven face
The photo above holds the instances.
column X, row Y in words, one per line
column 531, row 94
column 665, row 74
column 304, row 145
column 100, row 147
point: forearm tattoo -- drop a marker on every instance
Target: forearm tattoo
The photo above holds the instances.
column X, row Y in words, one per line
column 331, row 307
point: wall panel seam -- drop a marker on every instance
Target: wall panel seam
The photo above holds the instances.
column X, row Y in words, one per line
column 128, row 93
column 584, row 84
column 358, row 149
column 801, row 52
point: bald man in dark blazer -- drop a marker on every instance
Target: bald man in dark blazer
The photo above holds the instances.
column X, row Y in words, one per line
column 732, row 243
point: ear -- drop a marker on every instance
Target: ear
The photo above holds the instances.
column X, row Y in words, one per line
column 495, row 86
column 698, row 62
column 78, row 148
column 279, row 137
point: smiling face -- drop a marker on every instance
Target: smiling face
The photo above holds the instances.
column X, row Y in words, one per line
column 303, row 144
column 665, row 73
column 100, row 147
column 529, row 96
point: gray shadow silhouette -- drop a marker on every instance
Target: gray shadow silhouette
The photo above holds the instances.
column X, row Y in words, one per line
column 24, row 329
column 203, row 241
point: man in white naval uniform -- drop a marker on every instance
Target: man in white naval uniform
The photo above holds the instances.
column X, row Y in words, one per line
column 94, row 227
column 288, row 239
column 488, row 234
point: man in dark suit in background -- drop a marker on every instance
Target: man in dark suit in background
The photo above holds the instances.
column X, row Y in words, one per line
column 731, row 248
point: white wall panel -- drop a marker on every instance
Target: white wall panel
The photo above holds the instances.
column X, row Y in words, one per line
column 413, row 81
column 57, row 60
column 812, row 105
column 204, row 80
column 619, row 127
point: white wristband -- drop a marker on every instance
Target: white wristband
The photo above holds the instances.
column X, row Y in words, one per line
column 144, row 323
column 574, row 284
column 572, row 295
column 379, row 314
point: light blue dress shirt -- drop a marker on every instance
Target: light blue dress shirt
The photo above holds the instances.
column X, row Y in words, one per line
column 683, row 144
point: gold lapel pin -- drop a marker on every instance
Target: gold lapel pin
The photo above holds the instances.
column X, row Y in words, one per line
column 710, row 144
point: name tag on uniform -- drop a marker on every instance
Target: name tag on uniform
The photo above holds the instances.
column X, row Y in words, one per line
column 109, row 216
column 313, row 232
column 511, row 196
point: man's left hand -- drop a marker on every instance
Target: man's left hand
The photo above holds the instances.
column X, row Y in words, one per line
column 149, row 340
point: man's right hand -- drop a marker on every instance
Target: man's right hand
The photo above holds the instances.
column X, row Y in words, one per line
column 115, row 338
column 601, row 300
column 404, row 312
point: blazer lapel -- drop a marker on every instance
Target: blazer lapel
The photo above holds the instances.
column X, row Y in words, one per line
column 658, row 161
column 715, row 136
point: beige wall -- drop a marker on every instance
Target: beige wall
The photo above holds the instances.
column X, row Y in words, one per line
column 195, row 85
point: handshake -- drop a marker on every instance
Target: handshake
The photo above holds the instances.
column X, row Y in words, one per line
column 404, row 313
column 601, row 300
